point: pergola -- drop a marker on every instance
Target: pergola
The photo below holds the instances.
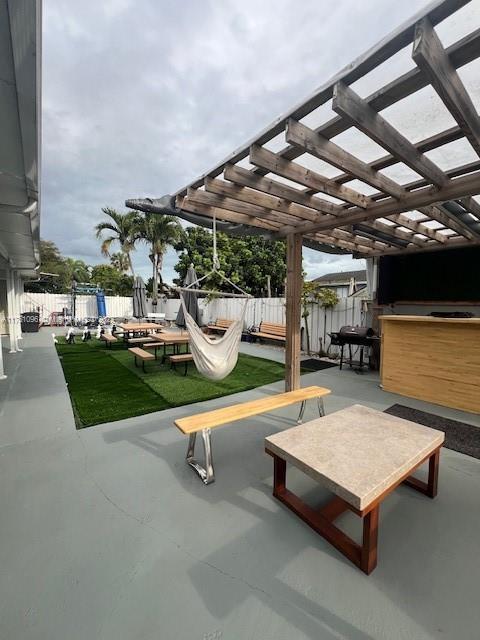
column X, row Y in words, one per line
column 295, row 182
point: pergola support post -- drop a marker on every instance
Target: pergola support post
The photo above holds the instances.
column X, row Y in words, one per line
column 293, row 311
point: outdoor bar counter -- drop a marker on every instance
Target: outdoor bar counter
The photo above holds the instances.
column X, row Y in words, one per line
column 432, row 359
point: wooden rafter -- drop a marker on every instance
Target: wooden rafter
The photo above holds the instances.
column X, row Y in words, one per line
column 256, row 198
column 432, row 59
column 466, row 185
column 361, row 115
column 248, row 179
column 266, row 159
column 314, row 143
column 223, row 214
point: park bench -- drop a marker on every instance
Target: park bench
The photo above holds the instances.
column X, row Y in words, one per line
column 220, row 324
column 142, row 355
column 271, row 331
column 204, row 422
column 108, row 339
column 181, row 357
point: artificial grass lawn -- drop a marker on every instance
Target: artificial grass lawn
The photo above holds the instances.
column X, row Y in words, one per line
column 105, row 385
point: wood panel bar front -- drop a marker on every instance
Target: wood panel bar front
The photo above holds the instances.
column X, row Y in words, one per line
column 432, row 359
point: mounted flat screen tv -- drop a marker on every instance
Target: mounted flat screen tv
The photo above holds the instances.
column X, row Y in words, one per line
column 449, row 276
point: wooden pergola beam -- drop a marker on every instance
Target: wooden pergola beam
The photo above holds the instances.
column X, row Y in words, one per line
column 246, row 178
column 454, row 243
column 430, row 56
column 416, row 226
column 251, row 196
column 229, row 204
column 308, row 141
column 361, row 115
column 471, row 205
column 222, row 214
column 266, row 159
column 219, row 196
column 427, row 144
column 311, row 142
column 254, row 197
column 352, row 246
column 458, row 188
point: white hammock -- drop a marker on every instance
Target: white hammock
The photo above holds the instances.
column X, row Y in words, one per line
column 214, row 358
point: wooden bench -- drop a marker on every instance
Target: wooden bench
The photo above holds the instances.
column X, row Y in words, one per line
column 141, row 340
column 221, row 324
column 181, row 357
column 143, row 355
column 204, row 422
column 108, row 339
column 271, row 331
column 154, row 345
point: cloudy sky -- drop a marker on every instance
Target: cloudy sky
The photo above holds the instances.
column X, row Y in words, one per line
column 141, row 96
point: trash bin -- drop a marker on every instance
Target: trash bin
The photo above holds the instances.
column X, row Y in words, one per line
column 30, row 322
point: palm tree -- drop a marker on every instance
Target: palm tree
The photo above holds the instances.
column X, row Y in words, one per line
column 159, row 232
column 75, row 270
column 125, row 231
column 119, row 260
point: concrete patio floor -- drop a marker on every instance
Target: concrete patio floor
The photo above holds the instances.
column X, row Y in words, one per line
column 106, row 533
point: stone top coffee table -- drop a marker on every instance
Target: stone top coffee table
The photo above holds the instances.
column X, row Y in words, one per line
column 361, row 455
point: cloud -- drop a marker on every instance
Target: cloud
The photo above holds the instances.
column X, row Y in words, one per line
column 141, row 96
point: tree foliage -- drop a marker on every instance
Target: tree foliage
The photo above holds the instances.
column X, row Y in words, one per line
column 111, row 280
column 122, row 229
column 245, row 261
column 159, row 233
column 59, row 272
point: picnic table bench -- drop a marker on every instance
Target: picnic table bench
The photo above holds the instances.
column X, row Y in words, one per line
column 180, row 357
column 142, row 355
column 204, row 422
column 271, row 331
column 108, row 339
column 141, row 340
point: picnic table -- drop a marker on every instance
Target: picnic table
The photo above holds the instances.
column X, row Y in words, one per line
column 131, row 329
column 173, row 338
column 361, row 455
column 139, row 327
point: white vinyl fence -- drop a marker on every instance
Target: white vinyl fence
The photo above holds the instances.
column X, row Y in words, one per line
column 349, row 311
column 86, row 306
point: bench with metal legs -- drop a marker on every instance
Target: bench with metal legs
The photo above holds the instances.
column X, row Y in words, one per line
column 203, row 422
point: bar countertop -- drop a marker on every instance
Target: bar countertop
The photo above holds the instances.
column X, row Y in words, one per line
column 398, row 318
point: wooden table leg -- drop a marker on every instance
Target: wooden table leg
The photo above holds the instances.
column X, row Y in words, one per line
column 429, row 488
column 321, row 520
column 433, row 466
column 279, row 475
column 368, row 557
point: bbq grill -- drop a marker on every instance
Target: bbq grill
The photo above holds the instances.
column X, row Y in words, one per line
column 354, row 336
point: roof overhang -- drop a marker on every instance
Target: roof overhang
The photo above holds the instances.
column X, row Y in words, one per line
column 20, row 130
column 356, row 207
